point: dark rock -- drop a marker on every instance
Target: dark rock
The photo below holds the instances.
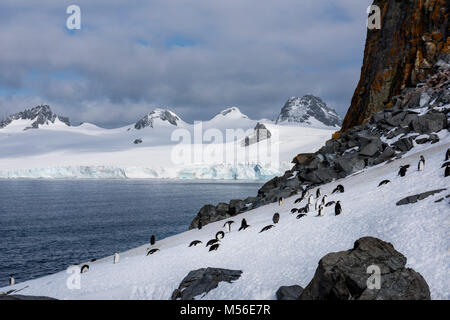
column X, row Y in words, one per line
column 41, row 115
column 343, row 275
column 404, row 144
column 208, row 214
column 430, row 122
column 137, row 141
column 236, row 206
column 202, row 281
column 289, row 292
column 418, row 197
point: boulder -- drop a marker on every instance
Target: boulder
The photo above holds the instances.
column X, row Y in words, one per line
column 403, row 144
column 235, row 206
column 429, row 123
column 207, row 214
column 201, row 281
column 344, row 275
column 418, row 197
column 289, row 292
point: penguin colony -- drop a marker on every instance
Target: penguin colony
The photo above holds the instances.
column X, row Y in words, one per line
column 319, row 206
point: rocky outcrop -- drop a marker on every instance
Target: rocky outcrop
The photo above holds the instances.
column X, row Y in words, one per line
column 289, row 292
column 418, row 197
column 344, row 275
column 202, row 281
column 309, row 110
column 157, row 114
column 401, row 54
column 40, row 115
column 260, row 133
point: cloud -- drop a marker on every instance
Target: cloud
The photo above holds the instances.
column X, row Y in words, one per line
column 194, row 56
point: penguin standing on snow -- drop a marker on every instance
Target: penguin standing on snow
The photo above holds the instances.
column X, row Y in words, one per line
column 402, row 170
column 227, row 226
column 320, row 211
column 12, row 281
column 339, row 189
column 310, row 199
column 244, row 225
column 324, row 199
column 84, row 269
column 318, row 193
column 152, row 240
column 337, row 208
column 280, row 201
column 447, row 154
column 447, row 171
column 276, row 218
column 116, row 258
column 316, row 206
column 421, row 163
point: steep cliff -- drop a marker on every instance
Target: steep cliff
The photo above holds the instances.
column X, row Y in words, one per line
column 413, row 34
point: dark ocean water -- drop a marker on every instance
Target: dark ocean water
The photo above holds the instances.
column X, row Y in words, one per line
column 47, row 225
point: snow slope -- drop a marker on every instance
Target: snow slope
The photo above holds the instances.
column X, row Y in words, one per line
column 56, row 150
column 289, row 253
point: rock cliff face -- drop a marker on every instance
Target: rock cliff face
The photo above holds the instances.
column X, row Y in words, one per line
column 40, row 115
column 401, row 54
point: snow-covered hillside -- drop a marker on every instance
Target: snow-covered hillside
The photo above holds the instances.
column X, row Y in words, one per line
column 51, row 148
column 288, row 253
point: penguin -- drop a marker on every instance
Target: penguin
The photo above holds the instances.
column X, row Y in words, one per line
column 320, row 211
column 93, row 260
column 194, row 243
column 445, row 164
column 220, row 235
column 299, row 200
column 211, row 242
column 214, row 247
column 316, row 206
column 244, row 225
column 338, row 189
column 199, row 226
column 227, row 226
column 152, row 240
column 318, row 193
column 116, row 258
column 324, row 199
column 421, row 164
column 337, row 208
column 270, row 226
column 310, row 199
column 447, row 154
column 383, row 182
column 12, row 281
column 294, row 210
column 280, row 201
column 84, row 269
column 447, row 171
column 402, row 170
column 330, row 203
column 152, row 251
column 276, row 218
column 301, row 215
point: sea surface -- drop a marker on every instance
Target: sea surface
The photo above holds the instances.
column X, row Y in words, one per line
column 48, row 225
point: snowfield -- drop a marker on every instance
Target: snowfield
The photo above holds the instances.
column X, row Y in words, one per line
column 289, row 253
column 86, row 151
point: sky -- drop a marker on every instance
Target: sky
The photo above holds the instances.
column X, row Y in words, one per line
column 194, row 57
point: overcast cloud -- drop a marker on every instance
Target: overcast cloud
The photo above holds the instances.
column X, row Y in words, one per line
column 195, row 57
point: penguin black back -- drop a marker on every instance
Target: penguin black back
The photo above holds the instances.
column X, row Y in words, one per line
column 301, row 215
column 402, row 170
column 152, row 251
column 244, row 225
column 152, row 240
column 214, row 247
column 211, row 242
column 270, row 226
column 84, row 268
column 447, row 154
column 383, row 182
column 447, row 171
column 194, row 243
column 339, row 189
column 330, row 203
column 276, row 218
column 220, row 235
column 337, row 208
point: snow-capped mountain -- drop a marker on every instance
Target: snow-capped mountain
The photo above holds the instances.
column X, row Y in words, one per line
column 309, row 110
column 145, row 149
column 157, row 116
column 33, row 118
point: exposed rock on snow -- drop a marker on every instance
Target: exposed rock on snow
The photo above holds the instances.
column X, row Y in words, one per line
column 309, row 110
column 343, row 275
column 289, row 292
column 418, row 197
column 202, row 281
column 157, row 114
column 260, row 133
column 40, row 115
